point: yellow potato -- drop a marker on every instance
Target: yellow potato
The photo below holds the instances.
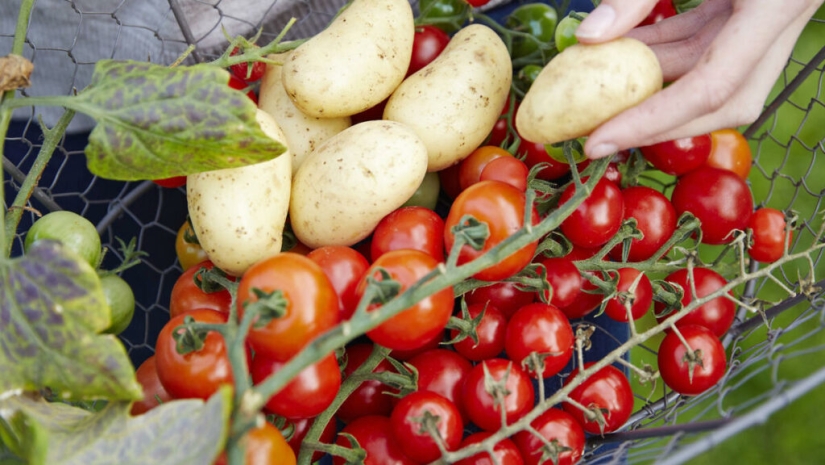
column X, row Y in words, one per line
column 355, row 63
column 353, row 180
column 454, row 102
column 239, row 213
column 303, row 133
column 586, row 85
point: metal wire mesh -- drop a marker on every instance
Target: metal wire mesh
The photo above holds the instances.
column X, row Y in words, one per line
column 788, row 142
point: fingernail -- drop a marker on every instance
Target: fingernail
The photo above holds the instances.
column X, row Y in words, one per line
column 603, row 150
column 596, row 23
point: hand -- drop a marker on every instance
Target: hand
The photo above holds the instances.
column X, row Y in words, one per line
column 724, row 57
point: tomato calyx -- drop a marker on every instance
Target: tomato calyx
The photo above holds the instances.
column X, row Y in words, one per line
column 382, row 289
column 551, row 452
column 268, row 306
column 470, row 231
column 191, row 335
column 211, row 280
column 466, row 325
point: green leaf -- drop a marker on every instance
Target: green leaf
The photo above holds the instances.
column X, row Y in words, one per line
column 51, row 309
column 177, row 432
column 157, row 122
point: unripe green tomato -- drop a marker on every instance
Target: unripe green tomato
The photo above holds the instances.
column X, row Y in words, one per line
column 447, row 15
column 75, row 233
column 427, row 193
column 566, row 32
column 537, row 19
column 121, row 301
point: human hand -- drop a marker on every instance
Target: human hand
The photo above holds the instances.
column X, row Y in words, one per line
column 724, row 57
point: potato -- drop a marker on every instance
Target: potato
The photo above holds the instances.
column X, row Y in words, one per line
column 303, row 133
column 586, row 85
column 355, row 63
column 354, row 179
column 454, row 102
column 239, row 213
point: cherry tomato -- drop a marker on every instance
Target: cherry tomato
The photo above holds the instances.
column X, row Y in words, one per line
column 374, row 435
column 606, row 389
column 490, row 332
column 189, row 252
column 534, row 153
column 536, row 19
column 565, row 281
column 428, row 43
column 504, row 295
column 427, row 193
column 197, row 374
column 344, row 266
column 676, row 369
column 517, row 394
column 477, row 3
column 730, row 151
column 154, row 393
column 369, row 397
column 589, row 298
column 121, row 301
column 311, row 304
column 553, row 425
column 308, row 394
column 565, row 34
column 301, row 427
column 508, row 170
column 264, row 445
column 415, row 228
column 768, row 226
column 655, row 218
column 470, row 168
column 718, row 198
column 442, row 371
column 501, row 206
column 448, row 15
column 505, row 451
column 171, row 183
column 448, row 178
column 407, row 427
column 595, row 220
column 543, row 329
column 678, row 156
column 642, row 296
column 75, row 232
column 663, row 9
column 418, row 324
column 716, row 315
column 404, row 355
column 248, row 71
column 186, row 295
column 239, row 84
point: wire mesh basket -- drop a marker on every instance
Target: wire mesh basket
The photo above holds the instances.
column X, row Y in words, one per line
column 775, row 357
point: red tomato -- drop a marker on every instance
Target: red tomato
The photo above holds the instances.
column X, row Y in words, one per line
column 153, row 391
column 307, row 394
column 311, row 304
column 368, row 398
column 403, row 355
column 301, row 427
column 655, row 218
column 406, row 425
column 544, row 329
column 663, row 9
column 718, row 198
column 171, row 183
column 642, row 296
column 239, row 84
column 565, row 280
column 420, row 323
column 716, row 315
column 374, row 435
column 197, row 374
column 501, row 130
column 607, row 389
column 264, row 445
column 553, row 425
column 187, row 296
column 676, row 370
column 470, row 168
column 505, row 451
column 503, row 295
column 595, row 220
column 248, row 71
column 679, row 156
column 589, row 298
column 534, row 153
column 344, row 266
column 428, row 43
column 517, row 394
column 448, row 178
column 188, row 251
column 768, row 226
column 508, row 170
column 374, row 113
column 730, row 151
column 490, row 332
column 501, row 206
column 416, row 228
column 441, row 371
column 477, row 3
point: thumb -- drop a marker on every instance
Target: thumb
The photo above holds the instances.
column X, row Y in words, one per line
column 612, row 19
